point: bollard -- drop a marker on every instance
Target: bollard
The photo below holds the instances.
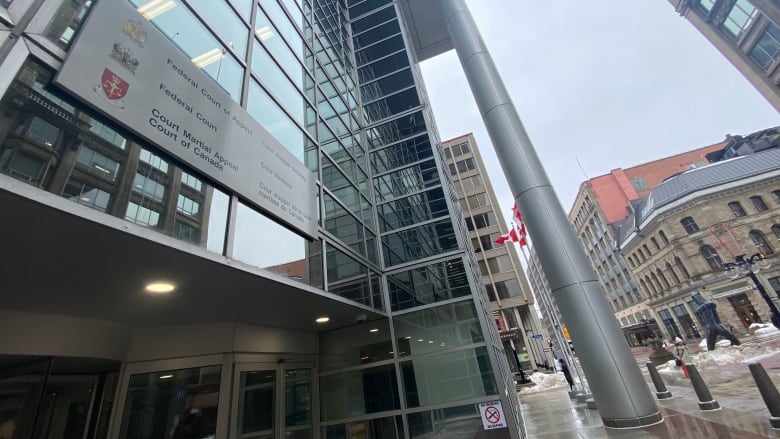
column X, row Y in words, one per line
column 660, row 387
column 706, row 402
column 768, row 392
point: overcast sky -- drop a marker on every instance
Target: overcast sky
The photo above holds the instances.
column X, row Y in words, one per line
column 611, row 83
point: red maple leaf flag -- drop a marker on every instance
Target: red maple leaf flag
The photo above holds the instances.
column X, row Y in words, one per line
column 517, row 232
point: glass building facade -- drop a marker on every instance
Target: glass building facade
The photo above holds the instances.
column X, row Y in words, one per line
column 93, row 211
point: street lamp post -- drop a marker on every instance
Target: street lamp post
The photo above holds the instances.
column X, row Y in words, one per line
column 749, row 266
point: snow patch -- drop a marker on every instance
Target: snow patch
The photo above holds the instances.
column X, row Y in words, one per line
column 544, row 381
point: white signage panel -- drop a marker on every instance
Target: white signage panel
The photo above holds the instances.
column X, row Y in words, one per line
column 492, row 415
column 126, row 68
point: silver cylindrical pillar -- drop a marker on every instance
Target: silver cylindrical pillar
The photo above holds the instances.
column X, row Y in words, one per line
column 624, row 399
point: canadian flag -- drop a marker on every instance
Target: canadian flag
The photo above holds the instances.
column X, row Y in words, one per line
column 517, row 232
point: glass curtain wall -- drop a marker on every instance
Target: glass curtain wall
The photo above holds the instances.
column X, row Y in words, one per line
column 434, row 351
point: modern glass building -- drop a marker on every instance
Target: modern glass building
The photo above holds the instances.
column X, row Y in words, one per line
column 232, row 219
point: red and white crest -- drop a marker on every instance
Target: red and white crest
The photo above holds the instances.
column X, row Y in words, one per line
column 114, row 87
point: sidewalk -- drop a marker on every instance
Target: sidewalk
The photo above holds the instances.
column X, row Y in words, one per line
column 552, row 415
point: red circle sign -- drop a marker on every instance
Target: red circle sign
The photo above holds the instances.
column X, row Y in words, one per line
column 492, row 415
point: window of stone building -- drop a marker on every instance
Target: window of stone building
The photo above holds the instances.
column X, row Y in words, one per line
column 679, row 263
column 689, row 225
column 760, row 242
column 466, row 165
column 758, row 203
column 671, row 271
column 776, row 195
column 739, row 19
column 736, row 209
column 663, row 236
column 655, row 243
column 662, row 278
column 460, row 149
column 775, row 283
column 711, row 256
column 776, row 231
column 706, row 5
column 767, row 49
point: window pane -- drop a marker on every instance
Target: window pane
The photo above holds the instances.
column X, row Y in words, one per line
column 448, row 377
column 192, row 37
column 256, row 233
column 358, row 393
column 67, row 21
column 430, row 284
column 180, row 401
column 437, row 329
column 277, row 122
column 359, row 344
column 282, row 88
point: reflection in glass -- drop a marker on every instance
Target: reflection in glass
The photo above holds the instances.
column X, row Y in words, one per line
column 273, row 77
column 448, row 422
column 192, row 37
column 448, row 377
column 430, row 284
column 359, row 344
column 419, row 242
column 380, row 428
column 256, row 407
column 268, row 114
column 298, row 402
column 86, row 160
column 183, row 401
column 256, row 233
column 436, row 329
column 359, row 392
column 67, row 21
column 222, row 18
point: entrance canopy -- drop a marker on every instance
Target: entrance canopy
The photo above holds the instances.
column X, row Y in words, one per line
column 54, row 262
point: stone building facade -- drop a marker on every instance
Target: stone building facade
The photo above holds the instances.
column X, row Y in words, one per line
column 746, row 32
column 680, row 237
column 511, row 299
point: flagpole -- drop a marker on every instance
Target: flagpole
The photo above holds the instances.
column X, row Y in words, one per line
column 619, row 389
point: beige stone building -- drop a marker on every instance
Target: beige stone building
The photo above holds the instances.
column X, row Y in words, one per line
column 510, row 294
column 746, row 32
column 680, row 237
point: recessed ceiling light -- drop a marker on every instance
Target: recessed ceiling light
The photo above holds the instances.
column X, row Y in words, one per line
column 160, row 287
column 323, row 319
column 407, row 338
column 165, row 377
column 373, row 330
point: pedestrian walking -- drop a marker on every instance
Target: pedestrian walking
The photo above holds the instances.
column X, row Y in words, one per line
column 566, row 373
column 682, row 355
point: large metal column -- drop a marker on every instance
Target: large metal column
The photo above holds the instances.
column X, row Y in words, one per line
column 624, row 399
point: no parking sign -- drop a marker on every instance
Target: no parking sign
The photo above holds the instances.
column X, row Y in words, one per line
column 492, row 415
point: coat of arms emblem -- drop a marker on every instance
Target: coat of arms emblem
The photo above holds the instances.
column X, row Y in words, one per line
column 112, row 88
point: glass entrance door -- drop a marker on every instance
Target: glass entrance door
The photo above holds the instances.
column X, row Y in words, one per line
column 272, row 401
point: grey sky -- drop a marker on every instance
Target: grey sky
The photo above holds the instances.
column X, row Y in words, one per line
column 611, row 83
